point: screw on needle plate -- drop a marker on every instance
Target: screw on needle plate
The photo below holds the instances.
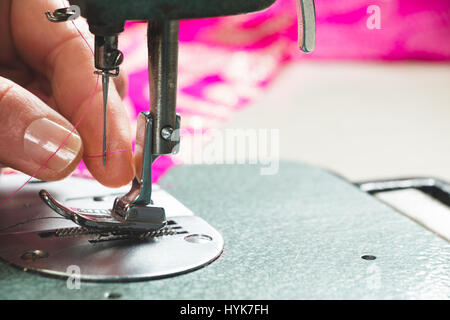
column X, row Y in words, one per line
column 34, row 255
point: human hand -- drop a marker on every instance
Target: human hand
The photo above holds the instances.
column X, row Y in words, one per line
column 46, row 82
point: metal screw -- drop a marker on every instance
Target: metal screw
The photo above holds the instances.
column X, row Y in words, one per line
column 166, row 132
column 34, row 255
column 198, row 238
column 115, row 58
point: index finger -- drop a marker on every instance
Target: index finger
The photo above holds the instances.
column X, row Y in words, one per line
column 59, row 52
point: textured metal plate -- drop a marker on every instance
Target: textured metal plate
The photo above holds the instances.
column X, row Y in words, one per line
column 30, row 236
column 115, row 260
column 298, row 234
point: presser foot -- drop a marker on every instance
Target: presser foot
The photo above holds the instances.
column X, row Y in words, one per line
column 137, row 219
column 131, row 212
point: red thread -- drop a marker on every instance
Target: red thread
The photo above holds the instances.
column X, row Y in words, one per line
column 59, row 148
column 68, row 136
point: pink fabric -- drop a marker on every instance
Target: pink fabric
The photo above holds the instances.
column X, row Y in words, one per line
column 226, row 62
column 410, row 29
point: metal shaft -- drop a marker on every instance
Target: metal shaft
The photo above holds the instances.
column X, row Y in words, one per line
column 105, row 80
column 107, row 61
column 163, row 71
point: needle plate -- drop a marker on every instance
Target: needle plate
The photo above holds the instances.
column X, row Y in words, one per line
column 35, row 238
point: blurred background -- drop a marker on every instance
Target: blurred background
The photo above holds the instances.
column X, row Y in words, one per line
column 372, row 100
column 367, row 103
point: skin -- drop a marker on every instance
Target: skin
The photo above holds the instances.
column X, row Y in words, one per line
column 47, row 70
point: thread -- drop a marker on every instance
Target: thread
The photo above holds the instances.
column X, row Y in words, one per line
column 68, row 135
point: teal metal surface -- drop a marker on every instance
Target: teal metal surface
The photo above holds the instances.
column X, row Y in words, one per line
column 299, row 234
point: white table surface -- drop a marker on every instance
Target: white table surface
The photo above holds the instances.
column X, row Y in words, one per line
column 361, row 120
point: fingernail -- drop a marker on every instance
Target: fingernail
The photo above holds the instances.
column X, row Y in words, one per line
column 43, row 137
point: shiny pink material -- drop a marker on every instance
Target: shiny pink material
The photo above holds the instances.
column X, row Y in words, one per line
column 226, row 62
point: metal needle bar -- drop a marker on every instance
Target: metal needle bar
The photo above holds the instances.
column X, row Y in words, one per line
column 163, row 70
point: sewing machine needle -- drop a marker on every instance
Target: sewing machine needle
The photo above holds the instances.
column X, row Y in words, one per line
column 105, row 80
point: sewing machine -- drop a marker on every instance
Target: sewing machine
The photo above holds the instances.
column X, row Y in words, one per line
column 142, row 213
column 274, row 243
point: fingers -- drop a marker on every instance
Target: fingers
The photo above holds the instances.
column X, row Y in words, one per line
column 30, row 132
column 58, row 51
column 39, row 40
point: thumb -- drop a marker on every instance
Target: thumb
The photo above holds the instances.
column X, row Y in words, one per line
column 31, row 132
